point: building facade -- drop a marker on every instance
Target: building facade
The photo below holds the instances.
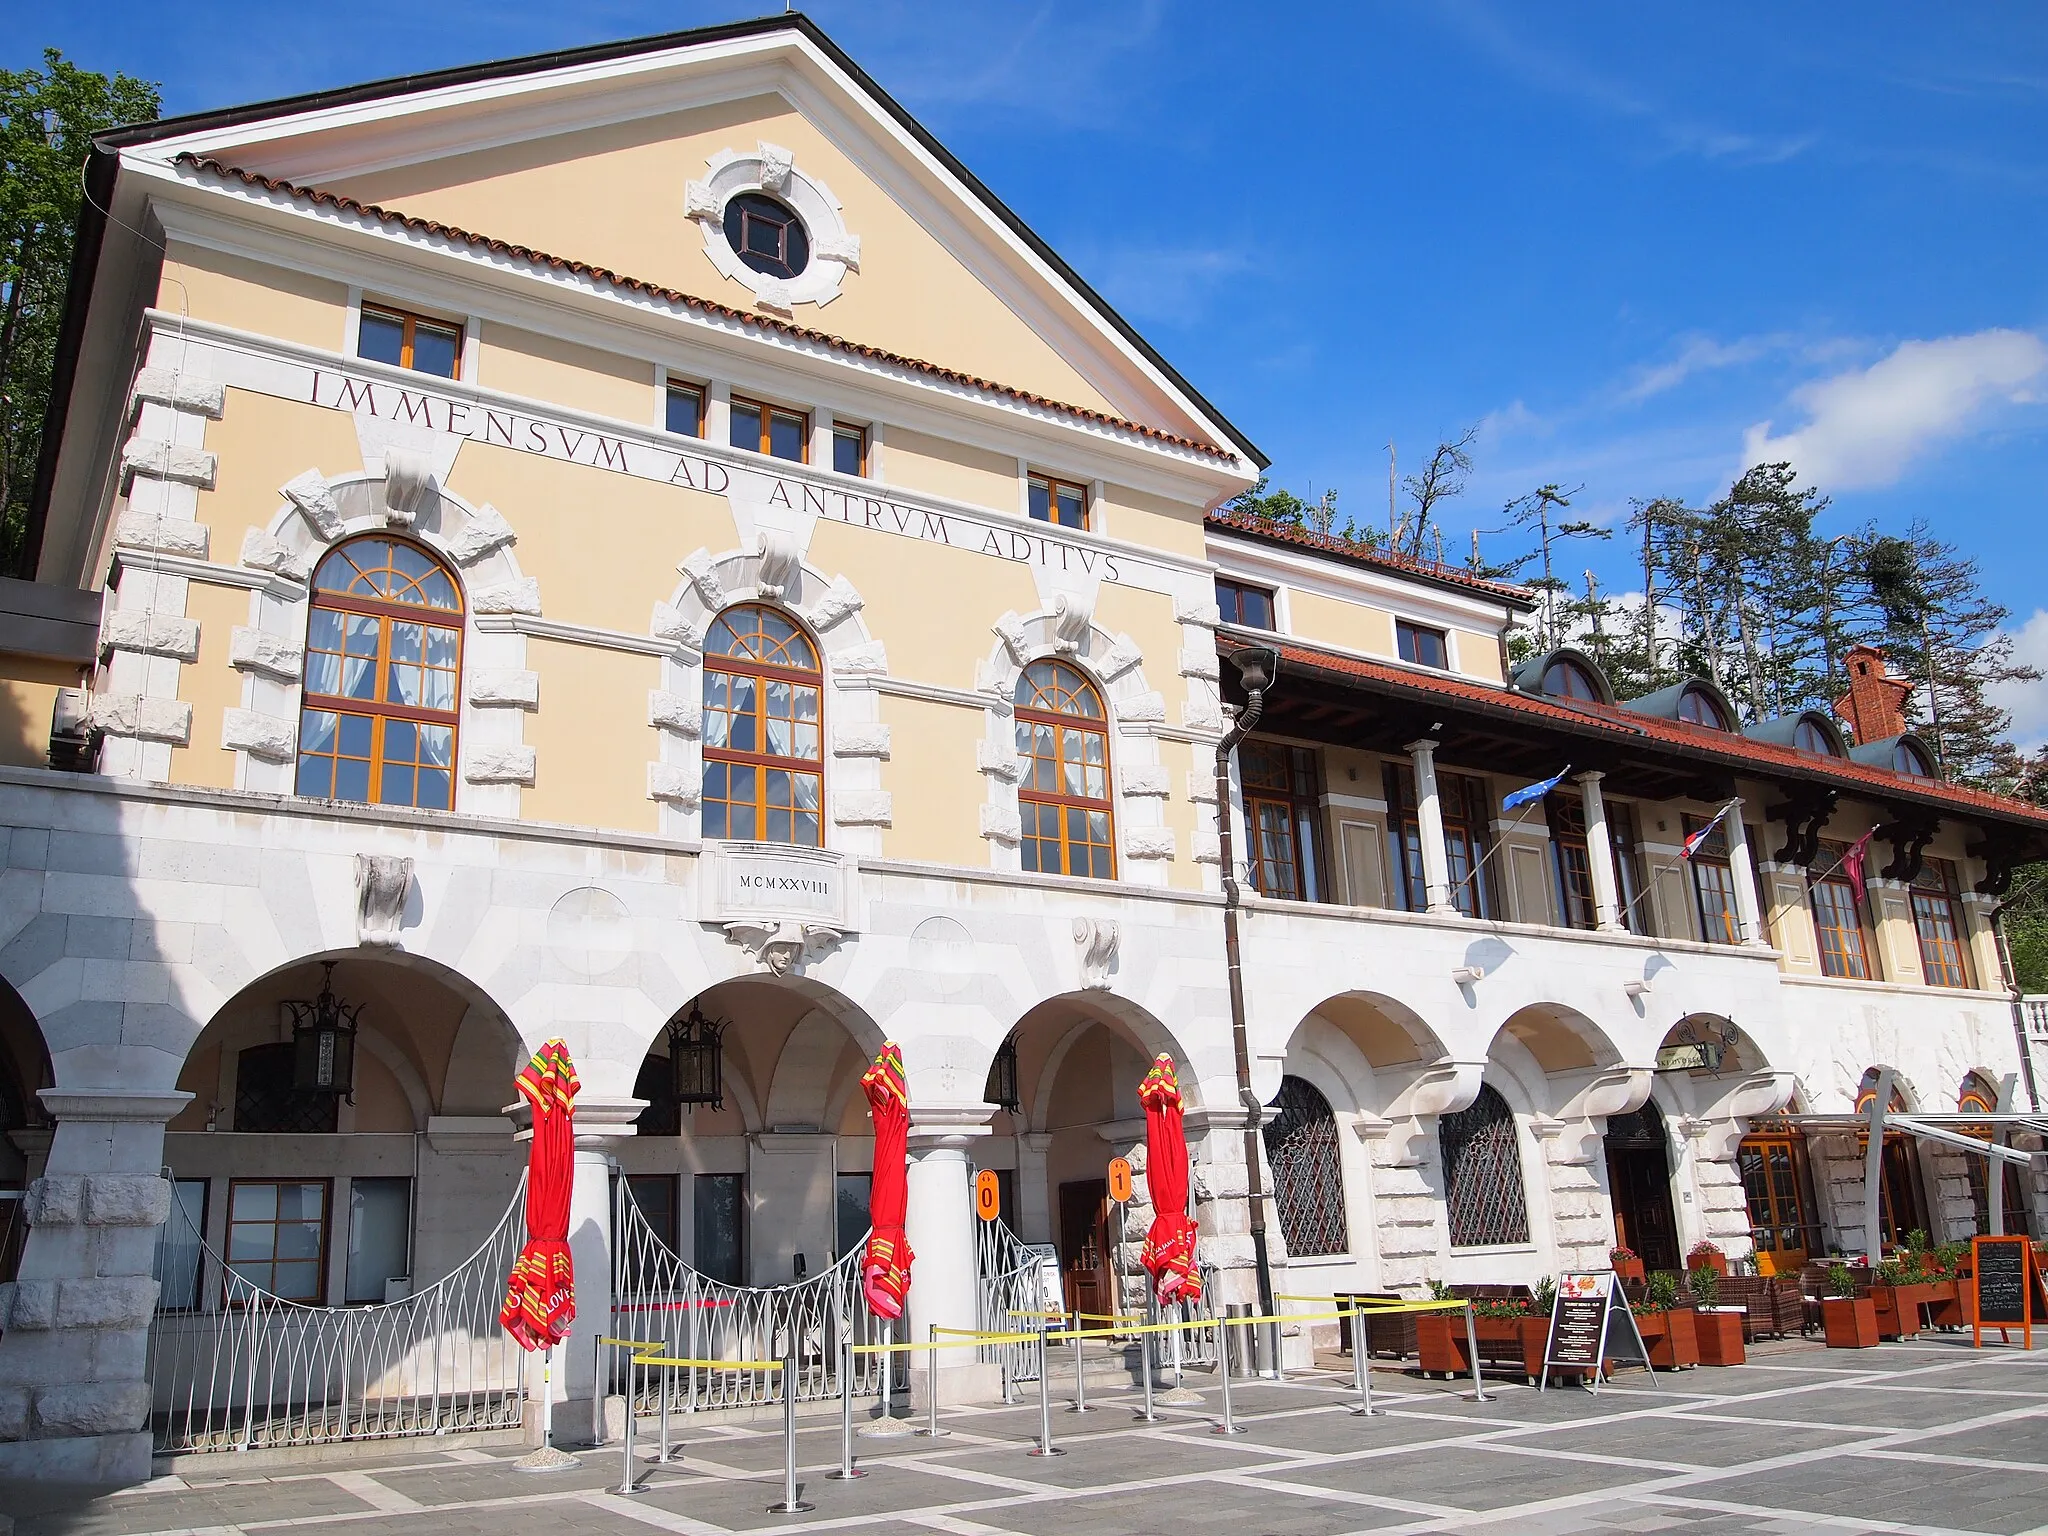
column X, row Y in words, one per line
column 639, row 546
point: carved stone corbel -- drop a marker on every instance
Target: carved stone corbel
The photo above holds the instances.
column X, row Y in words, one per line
column 1097, row 939
column 1073, row 613
column 780, row 948
column 1804, row 816
column 781, row 565
column 382, row 880
column 409, row 488
column 1909, row 837
column 1441, row 1088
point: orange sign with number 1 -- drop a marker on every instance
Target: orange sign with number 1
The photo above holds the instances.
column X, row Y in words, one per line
column 1119, row 1179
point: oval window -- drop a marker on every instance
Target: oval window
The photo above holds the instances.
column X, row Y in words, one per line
column 767, row 235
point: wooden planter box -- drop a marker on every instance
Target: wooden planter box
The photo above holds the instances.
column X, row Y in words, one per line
column 1674, row 1341
column 1720, row 1335
column 1630, row 1269
column 1849, row 1324
column 1513, row 1342
column 1898, row 1307
column 1717, row 1262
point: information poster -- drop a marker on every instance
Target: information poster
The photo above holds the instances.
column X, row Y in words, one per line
column 1590, row 1322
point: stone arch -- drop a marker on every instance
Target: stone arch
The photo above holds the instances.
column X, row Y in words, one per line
column 1065, row 630
column 774, row 573
column 474, row 541
column 1559, row 1039
column 24, row 1122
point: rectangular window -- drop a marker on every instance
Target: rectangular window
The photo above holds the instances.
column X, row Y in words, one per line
column 852, row 1192
column 379, row 1236
column 1467, row 836
column 277, row 1236
column 412, row 341
column 685, row 415
column 1938, row 920
column 771, row 429
column 1621, row 831
column 1059, row 501
column 1242, row 603
column 1422, row 645
column 655, row 1195
column 1713, row 885
column 1571, row 860
column 1281, row 813
column 849, row 449
column 720, row 1251
column 176, row 1266
column 1838, row 925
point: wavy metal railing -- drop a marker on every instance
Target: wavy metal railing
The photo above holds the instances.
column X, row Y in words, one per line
column 1007, row 1274
column 257, row 1370
column 657, row 1297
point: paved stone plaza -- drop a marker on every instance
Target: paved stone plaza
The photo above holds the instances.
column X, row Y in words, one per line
column 1908, row 1438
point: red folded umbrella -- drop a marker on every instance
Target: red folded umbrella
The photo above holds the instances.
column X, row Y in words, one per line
column 885, row 1270
column 540, row 1299
column 1169, row 1253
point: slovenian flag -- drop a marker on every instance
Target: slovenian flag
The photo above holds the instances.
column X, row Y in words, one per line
column 1529, row 792
column 1692, row 844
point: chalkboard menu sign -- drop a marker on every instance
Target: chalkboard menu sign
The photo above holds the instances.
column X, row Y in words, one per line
column 1590, row 1322
column 2004, row 1283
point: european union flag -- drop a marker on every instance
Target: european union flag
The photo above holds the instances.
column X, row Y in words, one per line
column 1529, row 792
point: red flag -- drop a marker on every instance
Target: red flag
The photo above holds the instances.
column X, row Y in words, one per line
column 1169, row 1252
column 885, row 1270
column 1852, row 863
column 540, row 1298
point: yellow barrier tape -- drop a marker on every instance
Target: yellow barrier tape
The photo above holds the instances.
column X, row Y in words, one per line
column 719, row 1365
column 633, row 1344
column 964, row 1338
column 968, row 1342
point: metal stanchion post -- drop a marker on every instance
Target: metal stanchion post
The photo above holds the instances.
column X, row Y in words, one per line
column 931, row 1428
column 1080, row 1402
column 1361, row 1370
column 847, row 1470
column 791, row 1504
column 667, row 1381
column 1472, row 1348
column 1045, row 1447
column 1145, row 1362
column 1229, row 1426
column 629, row 1484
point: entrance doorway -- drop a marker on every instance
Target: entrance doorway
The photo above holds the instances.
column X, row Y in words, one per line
column 1084, row 1245
column 1639, row 1180
column 1778, row 1189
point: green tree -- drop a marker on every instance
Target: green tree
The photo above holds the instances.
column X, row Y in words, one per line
column 47, row 119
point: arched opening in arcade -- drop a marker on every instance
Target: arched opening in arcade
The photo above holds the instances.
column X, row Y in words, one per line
column 345, row 1143
column 1638, row 1152
column 1980, row 1097
column 753, row 1159
column 1065, row 1083
column 1902, row 1197
column 25, row 1127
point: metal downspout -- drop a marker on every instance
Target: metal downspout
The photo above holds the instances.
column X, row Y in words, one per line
column 2019, row 1011
column 1255, row 670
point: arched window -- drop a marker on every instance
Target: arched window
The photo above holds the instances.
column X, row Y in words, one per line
column 764, row 773
column 1569, row 680
column 1063, row 738
column 1308, row 1188
column 1810, row 737
column 383, row 677
column 1911, row 761
column 1980, row 1098
column 1698, row 707
column 1483, row 1174
column 1900, row 1209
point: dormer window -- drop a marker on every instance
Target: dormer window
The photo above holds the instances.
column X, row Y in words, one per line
column 1907, row 758
column 1569, row 680
column 1697, row 707
column 1809, row 737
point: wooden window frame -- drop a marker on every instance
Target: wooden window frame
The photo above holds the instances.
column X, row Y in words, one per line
column 1406, row 629
column 1833, row 946
column 765, row 762
column 1716, row 719
column 1944, row 957
column 1468, row 836
column 1793, row 1147
column 841, row 430
column 769, row 411
column 1053, row 485
column 1062, row 724
column 670, row 390
column 411, row 321
column 378, row 710
column 319, row 1298
column 1303, row 811
column 1238, row 591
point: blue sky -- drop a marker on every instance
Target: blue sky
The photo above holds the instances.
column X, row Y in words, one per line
column 1638, row 246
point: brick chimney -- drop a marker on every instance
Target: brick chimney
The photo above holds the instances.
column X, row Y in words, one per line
column 1875, row 705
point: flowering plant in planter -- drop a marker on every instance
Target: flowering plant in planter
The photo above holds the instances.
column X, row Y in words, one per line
column 1707, row 1255
column 1620, row 1255
column 1660, row 1294
column 1498, row 1307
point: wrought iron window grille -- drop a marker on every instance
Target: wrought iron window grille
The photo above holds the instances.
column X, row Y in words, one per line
column 1483, row 1193
column 1308, row 1181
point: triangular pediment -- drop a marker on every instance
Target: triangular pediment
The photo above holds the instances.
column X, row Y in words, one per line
column 621, row 162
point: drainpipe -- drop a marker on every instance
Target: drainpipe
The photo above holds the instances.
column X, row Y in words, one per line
column 1255, row 669
column 2019, row 1011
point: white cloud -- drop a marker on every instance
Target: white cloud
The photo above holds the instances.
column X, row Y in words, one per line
column 1865, row 426
column 2027, row 702
column 1699, row 354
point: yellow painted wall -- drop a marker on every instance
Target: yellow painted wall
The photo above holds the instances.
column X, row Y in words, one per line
column 917, row 462
column 1479, row 655
column 253, row 296
column 613, row 196
column 590, row 736
column 28, row 699
column 1154, row 521
column 937, row 790
column 263, row 442
column 1335, row 622
column 211, row 685
column 546, row 368
column 603, row 546
column 931, row 606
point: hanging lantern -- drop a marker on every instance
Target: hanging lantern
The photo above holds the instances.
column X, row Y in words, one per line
column 1001, row 1089
column 696, row 1058
column 324, row 1043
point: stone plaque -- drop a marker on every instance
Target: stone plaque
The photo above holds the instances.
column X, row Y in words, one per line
column 766, row 884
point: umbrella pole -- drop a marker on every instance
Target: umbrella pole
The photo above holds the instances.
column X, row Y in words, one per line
column 547, row 1458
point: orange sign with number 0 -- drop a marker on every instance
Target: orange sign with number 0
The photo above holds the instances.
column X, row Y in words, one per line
column 988, row 1195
